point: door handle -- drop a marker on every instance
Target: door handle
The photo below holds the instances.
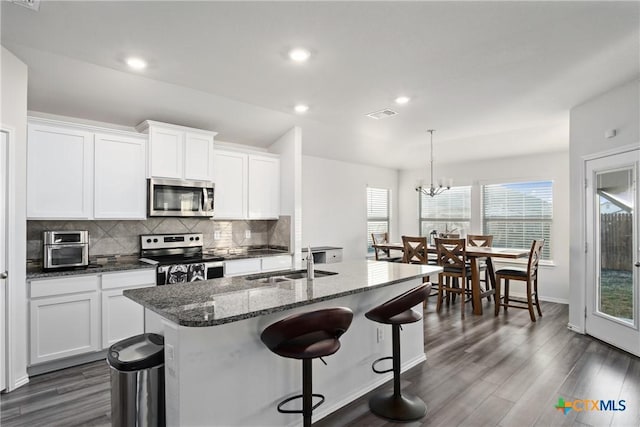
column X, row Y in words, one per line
column 637, row 264
column 4, row 275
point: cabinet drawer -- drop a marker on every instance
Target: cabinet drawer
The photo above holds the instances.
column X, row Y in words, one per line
column 128, row 279
column 334, row 255
column 280, row 262
column 242, row 266
column 63, row 285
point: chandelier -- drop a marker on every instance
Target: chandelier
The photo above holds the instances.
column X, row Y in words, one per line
column 432, row 190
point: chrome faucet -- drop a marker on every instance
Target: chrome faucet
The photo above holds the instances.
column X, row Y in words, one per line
column 310, row 273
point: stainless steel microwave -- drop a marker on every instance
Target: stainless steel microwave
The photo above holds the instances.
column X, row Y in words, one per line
column 181, row 198
column 65, row 249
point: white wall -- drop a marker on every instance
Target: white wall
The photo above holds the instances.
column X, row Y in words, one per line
column 554, row 280
column 617, row 109
column 289, row 147
column 13, row 116
column 334, row 203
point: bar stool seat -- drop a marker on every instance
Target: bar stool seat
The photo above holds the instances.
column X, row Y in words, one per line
column 307, row 336
column 396, row 312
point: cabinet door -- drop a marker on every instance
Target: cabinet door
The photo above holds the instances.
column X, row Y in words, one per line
column 264, row 187
column 119, row 184
column 198, row 156
column 64, row 326
column 59, row 173
column 230, row 177
column 166, row 147
column 121, row 317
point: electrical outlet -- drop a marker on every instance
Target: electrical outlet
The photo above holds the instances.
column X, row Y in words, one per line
column 379, row 335
column 216, row 235
column 247, row 234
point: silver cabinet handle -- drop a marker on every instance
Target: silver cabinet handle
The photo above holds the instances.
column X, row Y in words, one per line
column 4, row 275
column 637, row 264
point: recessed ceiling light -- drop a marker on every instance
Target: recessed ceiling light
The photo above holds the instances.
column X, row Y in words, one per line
column 137, row 63
column 301, row 108
column 299, row 54
column 402, row 100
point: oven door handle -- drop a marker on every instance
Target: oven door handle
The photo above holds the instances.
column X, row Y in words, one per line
column 66, row 245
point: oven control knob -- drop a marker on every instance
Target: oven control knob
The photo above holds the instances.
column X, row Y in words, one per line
column 197, row 238
column 191, row 238
column 148, row 240
column 155, row 240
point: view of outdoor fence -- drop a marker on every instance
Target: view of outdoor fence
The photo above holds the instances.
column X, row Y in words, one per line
column 616, row 241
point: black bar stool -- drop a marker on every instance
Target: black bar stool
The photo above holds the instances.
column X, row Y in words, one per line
column 397, row 312
column 307, row 336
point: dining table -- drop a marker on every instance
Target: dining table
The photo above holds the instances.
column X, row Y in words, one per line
column 474, row 254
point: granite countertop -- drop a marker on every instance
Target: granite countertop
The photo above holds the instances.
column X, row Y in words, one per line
column 219, row 301
column 112, row 265
column 321, row 248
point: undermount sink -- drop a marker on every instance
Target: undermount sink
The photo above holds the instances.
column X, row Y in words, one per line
column 282, row 276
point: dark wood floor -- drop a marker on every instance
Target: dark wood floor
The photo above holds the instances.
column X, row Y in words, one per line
column 503, row 371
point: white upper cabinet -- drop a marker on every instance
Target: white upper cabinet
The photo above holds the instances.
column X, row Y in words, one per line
column 198, row 156
column 247, row 185
column 230, row 197
column 166, row 147
column 77, row 171
column 59, row 172
column 264, row 187
column 179, row 152
column 120, row 184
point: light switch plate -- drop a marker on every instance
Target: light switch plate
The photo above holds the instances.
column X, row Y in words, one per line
column 247, row 234
column 216, row 235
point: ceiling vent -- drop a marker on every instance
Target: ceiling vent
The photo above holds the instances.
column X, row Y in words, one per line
column 30, row 4
column 382, row 114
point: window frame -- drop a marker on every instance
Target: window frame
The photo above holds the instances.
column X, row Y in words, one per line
column 468, row 220
column 386, row 219
column 548, row 247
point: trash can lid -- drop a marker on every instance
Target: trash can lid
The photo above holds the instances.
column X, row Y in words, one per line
column 136, row 353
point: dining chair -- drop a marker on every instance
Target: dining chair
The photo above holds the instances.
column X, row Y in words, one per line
column 383, row 254
column 415, row 252
column 530, row 276
column 456, row 274
column 483, row 241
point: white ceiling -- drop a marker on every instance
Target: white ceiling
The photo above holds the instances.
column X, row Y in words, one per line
column 493, row 78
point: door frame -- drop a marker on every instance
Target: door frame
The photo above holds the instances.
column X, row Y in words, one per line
column 581, row 299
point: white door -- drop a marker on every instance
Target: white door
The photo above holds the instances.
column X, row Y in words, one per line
column 3, row 256
column 613, row 253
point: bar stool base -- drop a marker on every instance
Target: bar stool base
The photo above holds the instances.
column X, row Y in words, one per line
column 401, row 408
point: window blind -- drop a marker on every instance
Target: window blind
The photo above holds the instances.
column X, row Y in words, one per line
column 446, row 211
column 377, row 212
column 517, row 213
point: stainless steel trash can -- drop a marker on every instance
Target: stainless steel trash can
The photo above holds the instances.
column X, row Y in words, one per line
column 137, row 381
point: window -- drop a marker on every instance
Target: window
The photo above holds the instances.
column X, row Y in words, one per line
column 517, row 213
column 377, row 213
column 448, row 211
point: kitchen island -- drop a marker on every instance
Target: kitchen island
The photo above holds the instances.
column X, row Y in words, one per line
column 219, row 373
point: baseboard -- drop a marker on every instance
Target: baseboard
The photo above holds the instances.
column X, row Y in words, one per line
column 556, row 300
column 575, row 328
column 24, row 380
column 355, row 395
column 55, row 365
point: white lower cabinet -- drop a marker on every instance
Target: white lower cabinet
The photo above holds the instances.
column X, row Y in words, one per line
column 121, row 317
column 279, row 262
column 64, row 326
column 75, row 315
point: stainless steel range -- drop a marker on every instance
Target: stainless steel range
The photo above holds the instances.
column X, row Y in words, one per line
column 179, row 258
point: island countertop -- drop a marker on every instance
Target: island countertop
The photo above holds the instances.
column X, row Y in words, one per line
column 219, row 301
